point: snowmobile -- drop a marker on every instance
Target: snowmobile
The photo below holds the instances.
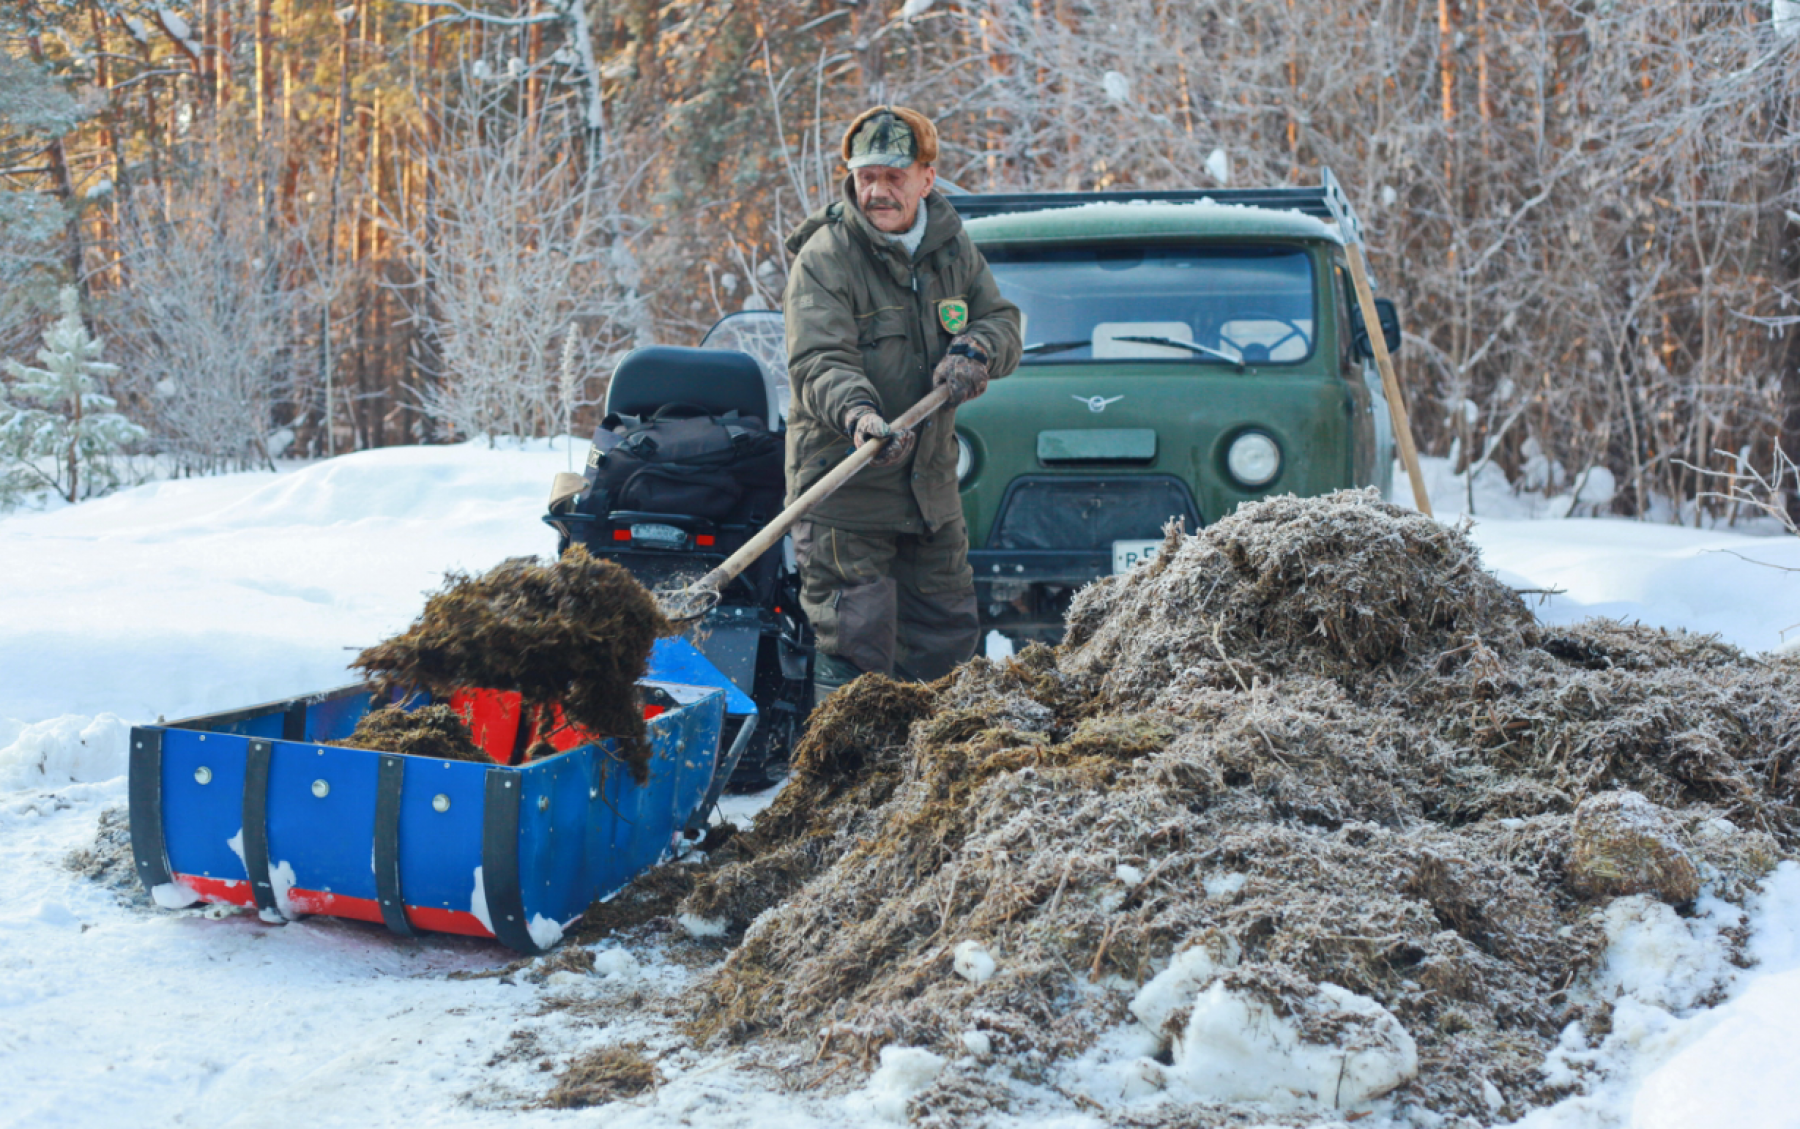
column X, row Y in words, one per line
column 684, row 468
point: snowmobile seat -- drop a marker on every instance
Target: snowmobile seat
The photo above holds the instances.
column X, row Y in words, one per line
column 713, row 381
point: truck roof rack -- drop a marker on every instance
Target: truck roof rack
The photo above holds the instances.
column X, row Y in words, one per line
column 1326, row 201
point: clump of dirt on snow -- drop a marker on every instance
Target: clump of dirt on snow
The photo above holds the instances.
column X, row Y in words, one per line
column 1312, row 773
column 575, row 633
column 606, row 1075
column 110, row 861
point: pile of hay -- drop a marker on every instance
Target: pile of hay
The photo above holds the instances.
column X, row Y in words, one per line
column 437, row 732
column 1313, row 769
column 574, row 633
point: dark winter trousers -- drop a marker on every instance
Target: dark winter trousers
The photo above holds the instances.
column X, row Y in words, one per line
column 900, row 604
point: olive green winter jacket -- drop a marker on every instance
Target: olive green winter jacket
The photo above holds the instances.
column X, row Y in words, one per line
column 864, row 324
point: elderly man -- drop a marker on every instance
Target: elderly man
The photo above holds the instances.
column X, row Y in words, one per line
column 888, row 298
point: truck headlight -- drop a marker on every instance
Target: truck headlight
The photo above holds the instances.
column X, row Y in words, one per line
column 1254, row 459
column 965, row 459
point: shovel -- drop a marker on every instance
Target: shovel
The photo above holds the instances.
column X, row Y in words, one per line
column 698, row 598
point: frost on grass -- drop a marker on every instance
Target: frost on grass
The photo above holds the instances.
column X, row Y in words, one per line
column 1311, row 776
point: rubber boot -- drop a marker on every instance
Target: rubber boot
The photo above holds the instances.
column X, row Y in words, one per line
column 830, row 674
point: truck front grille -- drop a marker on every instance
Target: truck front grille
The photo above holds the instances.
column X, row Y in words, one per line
column 1056, row 512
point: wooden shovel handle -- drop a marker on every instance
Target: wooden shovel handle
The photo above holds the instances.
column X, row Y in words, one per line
column 737, row 562
column 1390, row 383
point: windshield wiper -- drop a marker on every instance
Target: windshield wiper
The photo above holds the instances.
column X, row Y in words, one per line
column 1055, row 346
column 1189, row 346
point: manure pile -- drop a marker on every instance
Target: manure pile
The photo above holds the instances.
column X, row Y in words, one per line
column 574, row 633
column 436, row 732
column 1312, row 772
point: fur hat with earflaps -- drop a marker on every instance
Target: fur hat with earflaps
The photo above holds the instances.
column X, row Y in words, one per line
column 890, row 135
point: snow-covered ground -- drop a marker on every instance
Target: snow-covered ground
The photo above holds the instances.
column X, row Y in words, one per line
column 187, row 597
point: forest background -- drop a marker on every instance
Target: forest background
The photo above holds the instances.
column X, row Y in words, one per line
column 304, row 228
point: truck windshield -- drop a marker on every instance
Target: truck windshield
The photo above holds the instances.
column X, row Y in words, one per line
column 1206, row 305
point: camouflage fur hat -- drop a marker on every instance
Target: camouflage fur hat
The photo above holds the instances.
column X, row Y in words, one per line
column 890, row 135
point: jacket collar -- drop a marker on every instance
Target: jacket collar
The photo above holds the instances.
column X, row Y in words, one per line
column 942, row 226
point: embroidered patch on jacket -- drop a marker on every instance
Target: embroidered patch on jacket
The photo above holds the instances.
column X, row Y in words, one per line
column 954, row 314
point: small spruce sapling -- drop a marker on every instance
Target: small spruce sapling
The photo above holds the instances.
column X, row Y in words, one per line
column 57, row 430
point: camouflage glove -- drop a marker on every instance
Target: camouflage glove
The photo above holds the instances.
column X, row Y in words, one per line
column 864, row 423
column 963, row 371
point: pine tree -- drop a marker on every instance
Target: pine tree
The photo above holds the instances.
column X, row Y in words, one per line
column 57, row 430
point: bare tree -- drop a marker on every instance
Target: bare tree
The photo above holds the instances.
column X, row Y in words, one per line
column 209, row 321
column 523, row 240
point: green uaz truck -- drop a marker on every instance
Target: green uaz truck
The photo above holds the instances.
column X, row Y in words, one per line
column 1184, row 352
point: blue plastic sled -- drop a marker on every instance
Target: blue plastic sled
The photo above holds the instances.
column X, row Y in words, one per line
column 248, row 808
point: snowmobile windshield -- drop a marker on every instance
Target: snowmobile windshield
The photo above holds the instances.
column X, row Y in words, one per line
column 1181, row 305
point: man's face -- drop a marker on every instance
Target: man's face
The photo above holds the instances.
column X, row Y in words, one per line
column 890, row 196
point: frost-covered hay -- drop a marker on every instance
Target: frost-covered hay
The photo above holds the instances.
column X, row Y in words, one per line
column 1299, row 801
column 846, row 766
column 1344, row 586
column 1683, row 720
column 575, row 633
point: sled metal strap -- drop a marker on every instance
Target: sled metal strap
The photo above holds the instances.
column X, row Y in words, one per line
column 390, row 773
column 256, row 822
column 500, row 860
column 293, row 721
column 148, row 850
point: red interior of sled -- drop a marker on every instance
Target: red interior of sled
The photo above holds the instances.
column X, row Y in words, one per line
column 495, row 722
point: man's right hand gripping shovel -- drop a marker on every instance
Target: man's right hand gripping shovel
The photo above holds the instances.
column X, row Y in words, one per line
column 877, row 441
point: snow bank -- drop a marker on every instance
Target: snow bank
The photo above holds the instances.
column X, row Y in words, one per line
column 252, row 587
column 1709, row 581
column 1753, row 1040
column 249, row 587
column 1656, row 957
column 66, row 750
column 1670, row 1063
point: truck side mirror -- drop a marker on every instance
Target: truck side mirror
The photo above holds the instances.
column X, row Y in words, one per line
column 1390, row 328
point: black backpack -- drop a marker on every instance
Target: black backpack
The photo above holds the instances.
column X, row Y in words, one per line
column 725, row 468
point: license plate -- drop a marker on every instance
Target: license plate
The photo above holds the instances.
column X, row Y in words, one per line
column 1127, row 555
column 658, row 534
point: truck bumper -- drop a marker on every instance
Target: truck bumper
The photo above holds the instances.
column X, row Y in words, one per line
column 1041, row 566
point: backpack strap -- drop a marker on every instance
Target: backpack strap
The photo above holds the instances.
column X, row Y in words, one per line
column 679, row 410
